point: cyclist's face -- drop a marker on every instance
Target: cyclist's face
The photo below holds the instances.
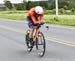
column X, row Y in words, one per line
column 38, row 14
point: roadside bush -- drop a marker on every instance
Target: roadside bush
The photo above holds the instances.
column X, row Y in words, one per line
column 72, row 10
column 61, row 11
column 48, row 11
column 56, row 18
column 54, row 11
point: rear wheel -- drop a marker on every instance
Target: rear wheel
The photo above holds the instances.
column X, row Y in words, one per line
column 40, row 44
column 28, row 42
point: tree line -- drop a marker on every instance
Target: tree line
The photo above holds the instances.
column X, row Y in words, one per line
column 49, row 5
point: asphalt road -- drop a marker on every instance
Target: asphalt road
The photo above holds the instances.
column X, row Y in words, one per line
column 60, row 43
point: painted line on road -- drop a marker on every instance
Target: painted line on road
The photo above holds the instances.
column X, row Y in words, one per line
column 10, row 20
column 72, row 44
column 11, row 29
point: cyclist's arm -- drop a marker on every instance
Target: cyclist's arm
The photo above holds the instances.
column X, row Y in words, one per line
column 34, row 19
column 41, row 17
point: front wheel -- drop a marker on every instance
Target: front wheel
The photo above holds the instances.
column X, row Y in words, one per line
column 41, row 44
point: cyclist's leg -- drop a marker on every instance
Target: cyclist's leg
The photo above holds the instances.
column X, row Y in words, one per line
column 36, row 35
column 30, row 24
column 31, row 33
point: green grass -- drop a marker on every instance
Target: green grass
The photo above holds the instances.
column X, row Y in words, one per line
column 14, row 15
column 68, row 20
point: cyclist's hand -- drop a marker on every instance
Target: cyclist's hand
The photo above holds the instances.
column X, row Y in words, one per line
column 36, row 23
column 42, row 22
column 39, row 22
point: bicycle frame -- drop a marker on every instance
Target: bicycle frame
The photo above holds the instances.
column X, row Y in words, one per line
column 39, row 38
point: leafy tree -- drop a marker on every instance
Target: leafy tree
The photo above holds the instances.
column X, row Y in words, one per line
column 31, row 4
column 8, row 4
column 28, row 5
column 65, row 4
column 20, row 6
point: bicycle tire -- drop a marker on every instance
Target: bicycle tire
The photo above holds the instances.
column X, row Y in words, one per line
column 36, row 43
column 43, row 43
column 27, row 39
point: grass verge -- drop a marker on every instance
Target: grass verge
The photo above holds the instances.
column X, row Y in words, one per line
column 68, row 20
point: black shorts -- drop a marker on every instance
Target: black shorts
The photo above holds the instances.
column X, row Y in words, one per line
column 30, row 23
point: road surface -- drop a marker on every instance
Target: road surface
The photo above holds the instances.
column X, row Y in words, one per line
column 60, row 43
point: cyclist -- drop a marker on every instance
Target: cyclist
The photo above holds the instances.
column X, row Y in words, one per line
column 34, row 17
